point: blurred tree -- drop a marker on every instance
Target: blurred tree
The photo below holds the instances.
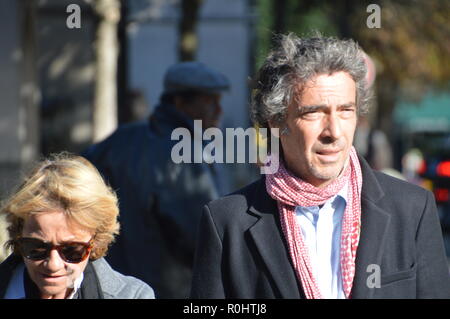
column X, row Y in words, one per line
column 263, row 30
column 279, row 8
column 188, row 40
column 276, row 16
column 411, row 49
column 106, row 51
column 124, row 113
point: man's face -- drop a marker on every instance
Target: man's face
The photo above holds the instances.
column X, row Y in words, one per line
column 205, row 107
column 320, row 128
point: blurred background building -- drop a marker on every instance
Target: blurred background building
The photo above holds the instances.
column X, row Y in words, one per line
column 57, row 78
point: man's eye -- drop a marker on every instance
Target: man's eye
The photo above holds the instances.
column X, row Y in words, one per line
column 348, row 110
column 310, row 114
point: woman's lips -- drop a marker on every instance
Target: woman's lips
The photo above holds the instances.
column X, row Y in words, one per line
column 51, row 278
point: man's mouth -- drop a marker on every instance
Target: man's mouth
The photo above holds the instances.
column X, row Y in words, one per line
column 328, row 151
column 328, row 156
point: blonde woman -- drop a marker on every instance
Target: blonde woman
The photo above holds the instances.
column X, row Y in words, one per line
column 61, row 221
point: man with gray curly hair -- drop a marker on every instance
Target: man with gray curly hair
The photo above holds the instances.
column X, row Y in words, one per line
column 324, row 225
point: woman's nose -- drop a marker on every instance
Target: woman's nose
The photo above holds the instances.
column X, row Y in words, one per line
column 54, row 261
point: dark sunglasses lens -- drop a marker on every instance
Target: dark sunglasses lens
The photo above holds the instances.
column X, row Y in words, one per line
column 34, row 249
column 73, row 253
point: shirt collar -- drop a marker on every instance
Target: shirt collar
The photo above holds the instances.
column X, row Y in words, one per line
column 343, row 193
column 76, row 286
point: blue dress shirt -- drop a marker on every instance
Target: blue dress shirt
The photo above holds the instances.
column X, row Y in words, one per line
column 321, row 230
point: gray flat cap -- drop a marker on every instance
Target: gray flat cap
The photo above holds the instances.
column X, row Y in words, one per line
column 194, row 76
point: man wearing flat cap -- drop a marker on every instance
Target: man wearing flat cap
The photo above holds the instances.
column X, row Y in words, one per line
column 161, row 201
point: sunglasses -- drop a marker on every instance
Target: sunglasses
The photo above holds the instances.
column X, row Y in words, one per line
column 36, row 249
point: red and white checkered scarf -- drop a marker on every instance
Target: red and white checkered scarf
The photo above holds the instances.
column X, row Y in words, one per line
column 290, row 191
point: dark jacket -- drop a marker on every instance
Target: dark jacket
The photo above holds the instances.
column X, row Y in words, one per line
column 160, row 201
column 242, row 252
column 112, row 284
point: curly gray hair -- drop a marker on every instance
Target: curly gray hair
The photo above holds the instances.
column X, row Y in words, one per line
column 295, row 61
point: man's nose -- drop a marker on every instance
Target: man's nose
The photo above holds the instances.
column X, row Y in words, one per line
column 332, row 127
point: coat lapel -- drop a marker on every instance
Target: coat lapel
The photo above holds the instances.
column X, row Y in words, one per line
column 270, row 243
column 374, row 225
column 7, row 268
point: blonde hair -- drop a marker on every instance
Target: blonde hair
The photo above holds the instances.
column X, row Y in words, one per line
column 71, row 184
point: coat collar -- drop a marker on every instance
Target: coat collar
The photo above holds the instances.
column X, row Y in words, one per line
column 7, row 268
column 166, row 117
column 111, row 283
column 271, row 244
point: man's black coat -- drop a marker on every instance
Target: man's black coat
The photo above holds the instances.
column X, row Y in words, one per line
column 242, row 252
